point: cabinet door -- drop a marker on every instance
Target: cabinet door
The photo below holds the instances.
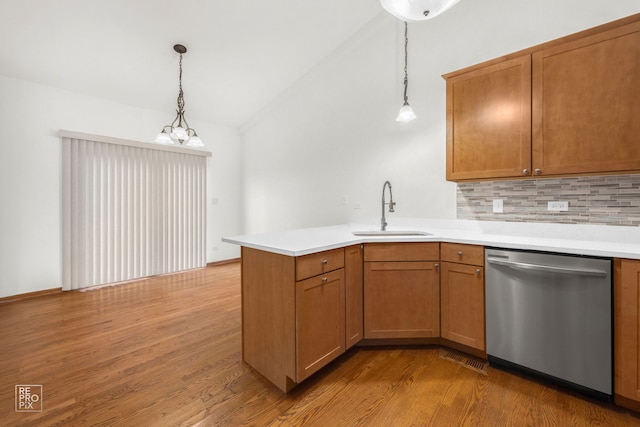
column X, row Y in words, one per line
column 489, row 121
column 626, row 351
column 354, row 321
column 586, row 104
column 401, row 300
column 319, row 322
column 462, row 304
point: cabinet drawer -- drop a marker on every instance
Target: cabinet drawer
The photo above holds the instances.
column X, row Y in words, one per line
column 318, row 263
column 462, row 254
column 402, row 251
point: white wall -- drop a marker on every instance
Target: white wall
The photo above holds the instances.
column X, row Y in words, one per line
column 333, row 133
column 30, row 175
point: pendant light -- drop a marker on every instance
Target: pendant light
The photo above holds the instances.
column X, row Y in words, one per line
column 179, row 130
column 416, row 10
column 406, row 113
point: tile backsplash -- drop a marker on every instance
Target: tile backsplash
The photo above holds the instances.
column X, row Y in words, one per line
column 612, row 200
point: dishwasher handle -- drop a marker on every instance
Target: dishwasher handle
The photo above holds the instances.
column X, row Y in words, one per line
column 547, row 268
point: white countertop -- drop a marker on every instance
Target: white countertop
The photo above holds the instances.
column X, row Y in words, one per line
column 577, row 239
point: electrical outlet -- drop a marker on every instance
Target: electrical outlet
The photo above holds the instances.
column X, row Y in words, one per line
column 558, row 206
column 498, row 206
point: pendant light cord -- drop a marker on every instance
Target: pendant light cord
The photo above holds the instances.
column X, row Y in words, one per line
column 406, row 79
column 180, row 96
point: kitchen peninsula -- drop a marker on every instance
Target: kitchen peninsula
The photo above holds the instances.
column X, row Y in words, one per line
column 306, row 292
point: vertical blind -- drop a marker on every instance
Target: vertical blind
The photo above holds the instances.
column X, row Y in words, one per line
column 130, row 209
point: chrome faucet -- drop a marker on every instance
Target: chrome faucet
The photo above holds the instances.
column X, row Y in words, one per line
column 383, row 221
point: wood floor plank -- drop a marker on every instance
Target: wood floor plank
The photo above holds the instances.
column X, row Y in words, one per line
column 166, row 351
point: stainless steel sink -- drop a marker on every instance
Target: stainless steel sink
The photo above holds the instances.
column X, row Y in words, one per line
column 390, row 233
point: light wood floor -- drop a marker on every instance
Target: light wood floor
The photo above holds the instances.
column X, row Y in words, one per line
column 166, row 352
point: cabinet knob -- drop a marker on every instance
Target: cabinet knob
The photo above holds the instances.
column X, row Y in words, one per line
column 538, row 171
column 324, row 262
column 324, row 280
column 525, row 171
column 459, row 253
column 436, row 266
column 478, row 271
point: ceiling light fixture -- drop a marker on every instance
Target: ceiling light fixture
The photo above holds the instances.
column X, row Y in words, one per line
column 416, row 10
column 176, row 131
column 406, row 113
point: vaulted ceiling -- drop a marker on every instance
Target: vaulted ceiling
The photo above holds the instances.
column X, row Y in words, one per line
column 241, row 53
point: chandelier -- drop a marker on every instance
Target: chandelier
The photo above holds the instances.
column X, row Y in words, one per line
column 179, row 130
column 416, row 10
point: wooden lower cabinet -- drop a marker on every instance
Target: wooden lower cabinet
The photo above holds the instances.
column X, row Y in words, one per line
column 626, row 350
column 320, row 314
column 401, row 299
column 354, row 320
column 462, row 304
column 291, row 328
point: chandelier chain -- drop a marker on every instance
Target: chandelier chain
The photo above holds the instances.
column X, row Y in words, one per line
column 180, row 93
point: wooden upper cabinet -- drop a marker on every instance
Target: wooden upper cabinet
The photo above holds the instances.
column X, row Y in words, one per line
column 489, row 121
column 569, row 106
column 586, row 104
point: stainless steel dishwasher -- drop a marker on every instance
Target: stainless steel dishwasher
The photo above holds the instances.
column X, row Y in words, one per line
column 550, row 315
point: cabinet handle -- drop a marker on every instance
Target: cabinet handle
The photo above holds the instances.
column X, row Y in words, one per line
column 525, row 171
column 478, row 271
column 324, row 280
column 436, row 266
column 538, row 171
column 459, row 253
column 324, row 262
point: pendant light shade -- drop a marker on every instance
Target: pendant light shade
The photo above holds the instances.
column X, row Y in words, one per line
column 406, row 114
column 416, row 10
